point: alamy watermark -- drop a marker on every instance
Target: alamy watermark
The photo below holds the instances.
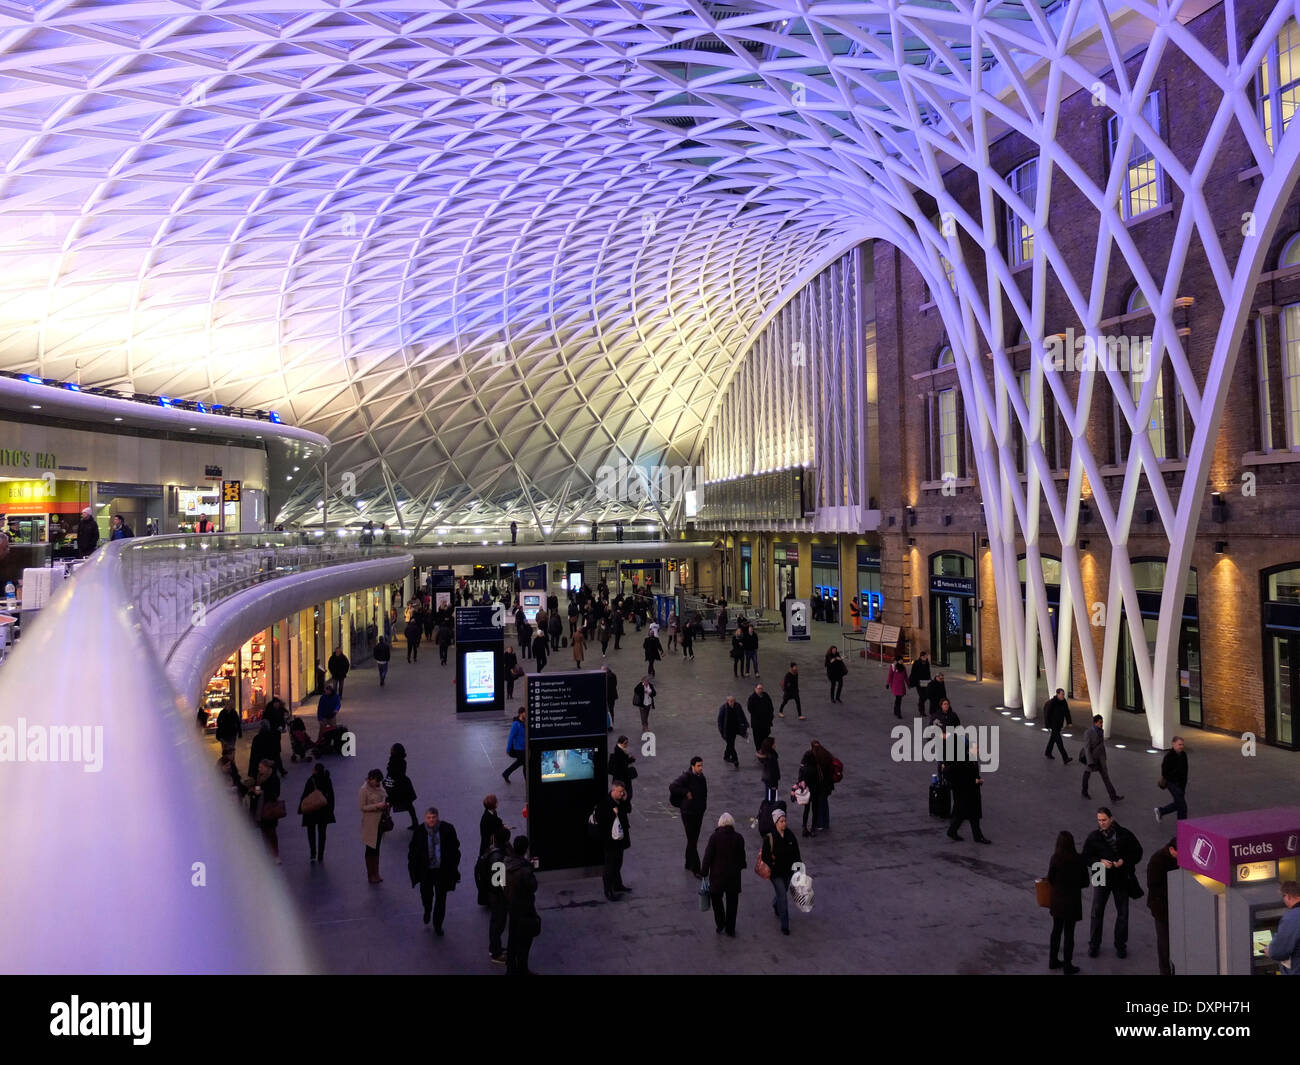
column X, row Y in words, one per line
column 22, row 742
column 958, row 743
column 1070, row 353
column 627, row 483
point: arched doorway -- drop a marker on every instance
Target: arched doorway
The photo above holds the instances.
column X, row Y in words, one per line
column 952, row 610
column 1280, row 594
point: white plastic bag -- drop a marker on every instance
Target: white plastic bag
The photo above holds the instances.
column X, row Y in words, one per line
column 801, row 890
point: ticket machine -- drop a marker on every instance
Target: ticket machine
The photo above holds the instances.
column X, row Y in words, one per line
column 1225, row 898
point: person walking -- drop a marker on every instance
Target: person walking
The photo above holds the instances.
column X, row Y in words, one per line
column 523, row 632
column 835, row 673
column 515, row 744
column 1285, row 946
column 514, row 533
column 398, row 786
column 317, row 814
column 919, row 678
column 578, row 645
column 896, row 682
column 643, row 698
column 433, row 862
column 443, row 639
column 413, row 632
column 688, row 639
column 1119, row 852
column 617, row 627
column 822, row 802
column 760, row 715
column 720, row 621
column 810, row 776
column 690, row 794
column 1067, row 876
column 604, row 635
column 509, row 660
column 267, row 808
column 383, row 654
column 491, row 889
column 230, row 727
column 749, row 640
column 1173, row 775
column 521, row 908
column 611, row 828
column 771, row 768
column 374, row 806
column 555, row 628
column 654, row 651
column 1056, row 715
column 265, row 745
column 1094, row 753
column 1163, row 862
column 937, row 693
column 790, row 691
column 964, row 778
column 781, row 854
column 338, row 666
column 541, row 647
column 737, row 653
column 724, row 861
column 731, row 723
column 620, row 764
column 489, row 823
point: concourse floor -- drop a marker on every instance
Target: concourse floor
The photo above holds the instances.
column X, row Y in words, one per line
column 893, row 894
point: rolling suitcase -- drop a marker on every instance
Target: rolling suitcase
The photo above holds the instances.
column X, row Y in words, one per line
column 940, row 799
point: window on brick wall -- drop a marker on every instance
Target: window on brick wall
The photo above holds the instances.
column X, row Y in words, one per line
column 1023, row 181
column 1144, row 180
column 1166, row 422
column 1277, row 83
column 1291, row 374
column 946, row 452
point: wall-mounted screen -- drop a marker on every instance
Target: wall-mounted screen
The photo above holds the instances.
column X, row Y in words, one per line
column 570, row 763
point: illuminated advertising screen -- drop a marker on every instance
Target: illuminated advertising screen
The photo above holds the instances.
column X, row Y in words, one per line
column 573, row 763
column 532, row 603
column 480, row 676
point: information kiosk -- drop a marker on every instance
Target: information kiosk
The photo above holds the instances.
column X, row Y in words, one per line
column 480, row 640
column 532, row 591
column 566, row 765
column 1225, row 898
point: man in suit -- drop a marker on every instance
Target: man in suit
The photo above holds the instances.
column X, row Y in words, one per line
column 1118, row 852
column 1094, row 755
column 433, row 861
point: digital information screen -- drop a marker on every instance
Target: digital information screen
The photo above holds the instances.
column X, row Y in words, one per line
column 480, row 677
column 570, row 763
column 567, row 704
column 532, row 603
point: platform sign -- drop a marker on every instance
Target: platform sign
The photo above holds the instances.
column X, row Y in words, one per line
column 797, row 613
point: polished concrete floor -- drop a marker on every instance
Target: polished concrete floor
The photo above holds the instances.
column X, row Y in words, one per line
column 893, row 894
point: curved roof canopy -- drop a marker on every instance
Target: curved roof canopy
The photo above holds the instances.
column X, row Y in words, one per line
column 486, row 247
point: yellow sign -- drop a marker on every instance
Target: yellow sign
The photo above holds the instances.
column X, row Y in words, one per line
column 35, row 491
column 672, row 565
column 1251, row 872
column 231, row 491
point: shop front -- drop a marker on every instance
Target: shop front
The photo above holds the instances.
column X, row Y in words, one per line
column 42, row 511
column 785, row 571
column 1149, row 579
column 1281, row 617
column 952, row 610
column 746, row 572
column 249, row 678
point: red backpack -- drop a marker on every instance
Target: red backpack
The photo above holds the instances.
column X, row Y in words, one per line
column 837, row 770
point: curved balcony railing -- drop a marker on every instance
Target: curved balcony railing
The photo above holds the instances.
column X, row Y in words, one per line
column 174, row 582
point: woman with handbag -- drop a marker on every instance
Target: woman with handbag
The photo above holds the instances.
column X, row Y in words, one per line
column 265, row 797
column 1068, row 876
column 779, row 856
column 374, row 810
column 317, row 808
column 401, row 792
column 897, row 684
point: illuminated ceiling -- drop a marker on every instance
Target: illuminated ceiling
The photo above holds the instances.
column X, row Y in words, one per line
column 484, row 247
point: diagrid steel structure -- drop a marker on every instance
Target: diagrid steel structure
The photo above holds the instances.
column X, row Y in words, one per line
column 490, row 246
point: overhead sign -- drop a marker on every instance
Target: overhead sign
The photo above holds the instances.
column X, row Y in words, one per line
column 953, row 585
column 480, row 624
column 212, row 471
column 230, row 491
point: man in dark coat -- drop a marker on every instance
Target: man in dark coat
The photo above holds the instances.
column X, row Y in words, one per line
column 433, row 860
column 413, row 633
column 492, row 889
column 1094, row 759
column 1056, row 715
column 731, row 723
column 963, row 776
column 760, row 715
column 229, row 729
column 611, row 692
column 724, row 861
column 690, row 794
column 1119, row 852
column 443, row 639
column 613, row 831
column 620, row 764
column 338, row 665
column 266, row 744
column 919, row 679
column 1173, row 771
column 521, row 908
column 789, row 694
column 87, row 533
column 1162, row 863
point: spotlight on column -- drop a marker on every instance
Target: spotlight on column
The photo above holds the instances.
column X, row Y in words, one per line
column 984, row 541
column 1149, row 515
column 1218, row 508
column 911, row 515
column 947, row 519
column 1083, row 545
column 891, row 520
column 1085, row 512
column 911, row 541
column 1220, row 547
